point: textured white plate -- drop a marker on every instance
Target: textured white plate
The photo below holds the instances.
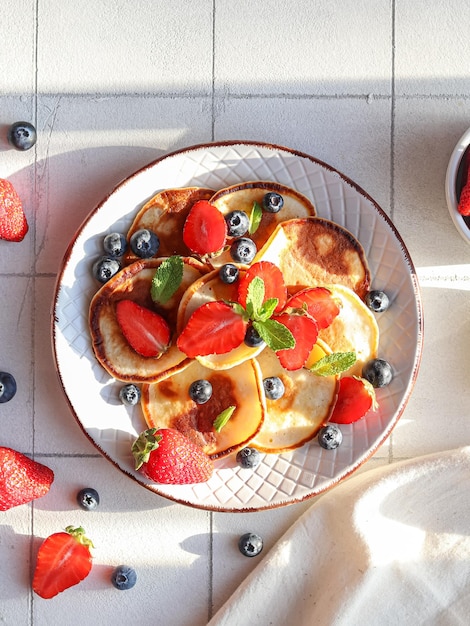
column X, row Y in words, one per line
column 279, row 479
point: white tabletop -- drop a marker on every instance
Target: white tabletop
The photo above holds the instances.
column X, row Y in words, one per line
column 378, row 90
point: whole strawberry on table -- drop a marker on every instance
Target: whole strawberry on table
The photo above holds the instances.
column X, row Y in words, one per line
column 21, row 479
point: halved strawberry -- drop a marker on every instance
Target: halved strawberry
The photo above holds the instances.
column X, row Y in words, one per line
column 213, row 328
column 205, row 229
column 64, row 559
column 319, row 302
column 13, row 224
column 356, row 397
column 274, row 286
column 146, row 331
column 305, row 332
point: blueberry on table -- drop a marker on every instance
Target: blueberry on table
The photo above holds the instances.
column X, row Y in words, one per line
column 229, row 273
column 273, row 202
column 248, row 458
column 250, row 544
column 378, row 372
column 273, row 387
column 377, row 301
column 330, row 437
column 115, row 244
column 88, row 498
column 252, row 337
column 238, row 223
column 22, row 135
column 144, row 243
column 130, row 394
column 200, row 391
column 105, row 268
column 7, row 387
column 124, row 577
column 243, row 250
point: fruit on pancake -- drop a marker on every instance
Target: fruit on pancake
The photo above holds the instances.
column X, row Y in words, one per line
column 21, row 479
column 168, row 404
column 167, row 456
column 354, row 329
column 319, row 303
column 314, row 252
column 146, row 331
column 64, row 559
column 297, row 415
column 356, row 397
column 213, row 328
column 205, row 229
column 134, row 282
column 273, row 284
column 13, row 223
column 164, row 214
column 305, row 332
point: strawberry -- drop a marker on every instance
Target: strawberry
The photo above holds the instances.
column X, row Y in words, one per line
column 213, row 328
column 319, row 303
column 274, row 286
column 13, row 224
column 205, row 229
column 167, row 456
column 305, row 332
column 356, row 397
column 464, row 200
column 21, row 479
column 146, row 331
column 64, row 559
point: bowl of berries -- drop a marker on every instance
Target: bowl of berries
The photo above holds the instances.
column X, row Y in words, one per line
column 457, row 186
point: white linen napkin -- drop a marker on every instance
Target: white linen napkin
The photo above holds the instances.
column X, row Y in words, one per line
column 389, row 546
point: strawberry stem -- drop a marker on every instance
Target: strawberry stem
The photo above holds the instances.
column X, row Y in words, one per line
column 78, row 533
column 144, row 445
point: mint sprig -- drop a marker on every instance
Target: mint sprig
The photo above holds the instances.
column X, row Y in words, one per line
column 223, row 417
column 167, row 279
column 255, row 218
column 333, row 364
column 274, row 334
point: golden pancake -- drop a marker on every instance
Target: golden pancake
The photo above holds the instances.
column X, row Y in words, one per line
column 109, row 344
column 314, row 251
column 165, row 215
column 305, row 406
column 167, row 404
column 355, row 329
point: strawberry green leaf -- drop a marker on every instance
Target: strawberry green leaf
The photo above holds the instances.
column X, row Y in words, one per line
column 222, row 419
column 275, row 334
column 255, row 218
column 167, row 279
column 333, row 364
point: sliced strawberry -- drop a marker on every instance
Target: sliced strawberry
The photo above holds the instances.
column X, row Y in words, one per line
column 205, row 229
column 319, row 302
column 13, row 224
column 146, row 331
column 356, row 397
column 464, row 200
column 274, row 286
column 213, row 328
column 305, row 332
column 64, row 559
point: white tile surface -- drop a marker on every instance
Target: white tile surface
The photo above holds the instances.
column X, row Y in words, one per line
column 379, row 90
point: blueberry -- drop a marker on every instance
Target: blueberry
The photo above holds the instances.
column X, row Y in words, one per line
column 22, row 135
column 88, row 498
column 200, row 391
column 124, row 577
column 129, row 394
column 237, row 223
column 378, row 372
column 114, row 244
column 105, row 268
column 7, row 387
column 229, row 273
column 273, row 202
column 243, row 250
column 273, row 387
column 144, row 243
column 250, row 544
column 377, row 301
column 248, row 458
column 252, row 338
column 330, row 437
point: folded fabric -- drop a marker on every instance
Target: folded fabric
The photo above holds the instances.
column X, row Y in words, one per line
column 389, row 546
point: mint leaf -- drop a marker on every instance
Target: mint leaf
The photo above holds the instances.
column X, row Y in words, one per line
column 167, row 279
column 333, row 364
column 255, row 218
column 222, row 419
column 267, row 309
column 274, row 334
column 255, row 296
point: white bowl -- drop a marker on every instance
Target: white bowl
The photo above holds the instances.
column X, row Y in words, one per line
column 453, row 186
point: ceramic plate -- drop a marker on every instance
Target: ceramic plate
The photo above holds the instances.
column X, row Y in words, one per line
column 280, row 479
column 453, row 185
